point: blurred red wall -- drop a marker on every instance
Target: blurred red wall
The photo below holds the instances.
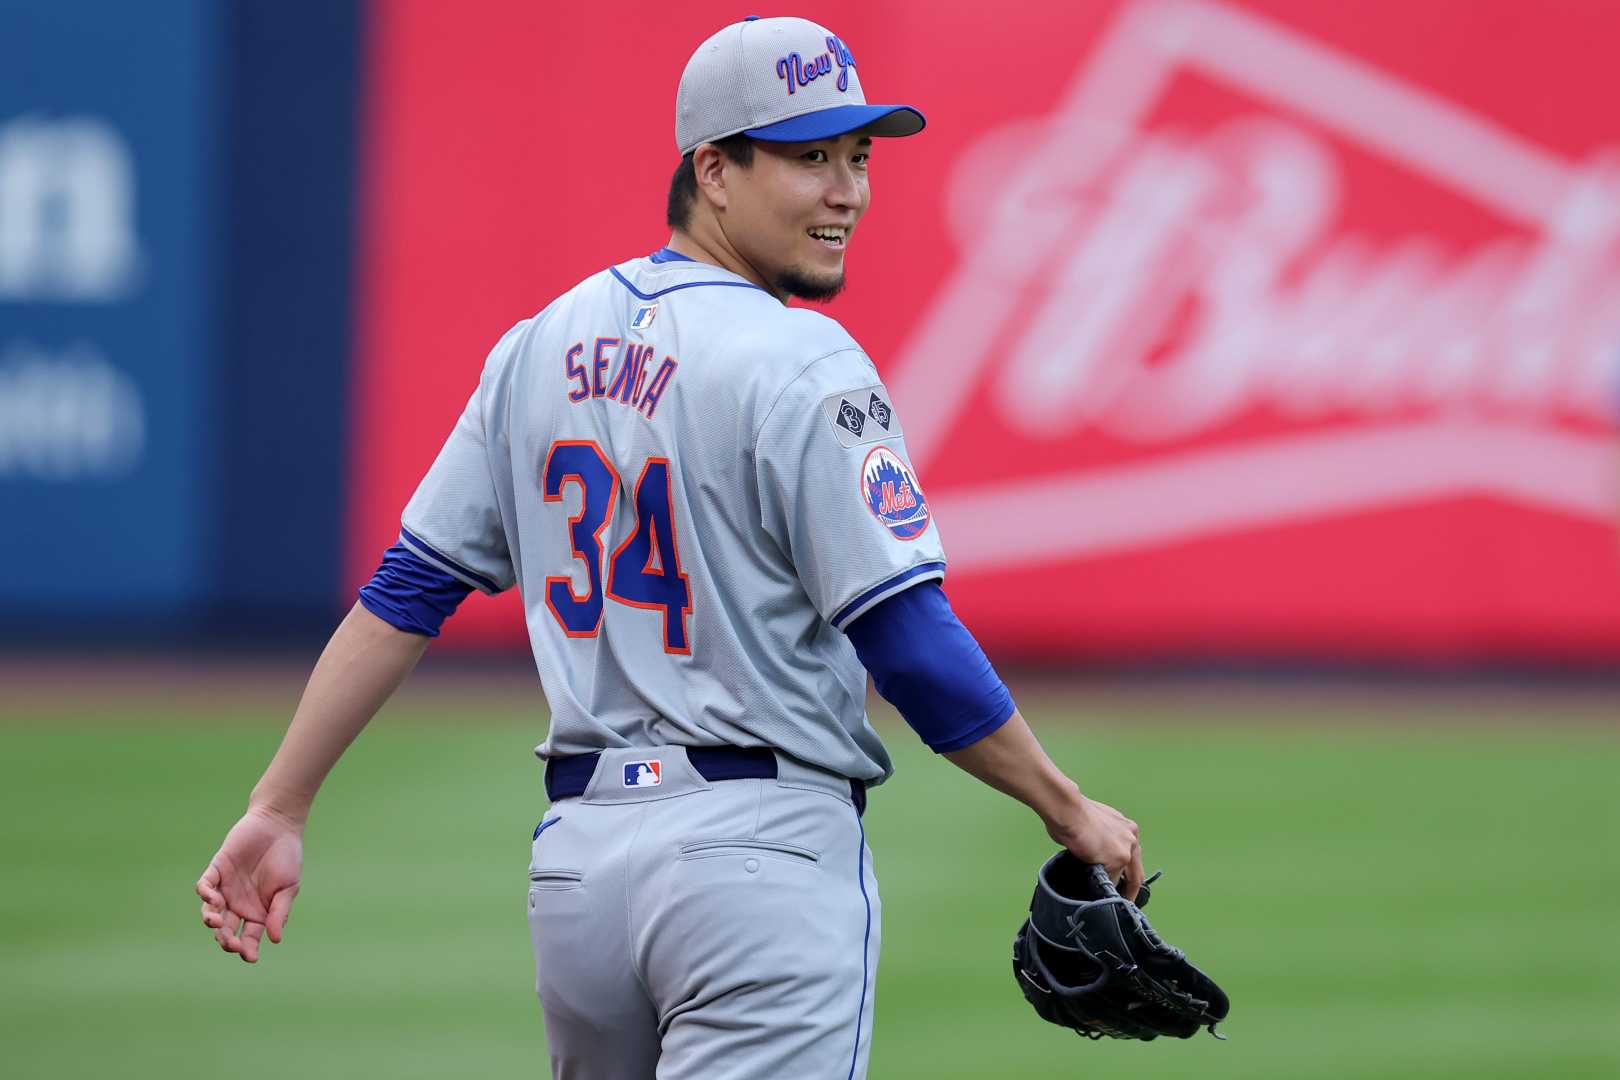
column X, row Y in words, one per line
column 1259, row 329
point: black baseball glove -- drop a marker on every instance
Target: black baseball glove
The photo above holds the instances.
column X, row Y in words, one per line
column 1087, row 959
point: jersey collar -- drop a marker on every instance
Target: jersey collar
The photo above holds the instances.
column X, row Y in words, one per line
column 665, row 262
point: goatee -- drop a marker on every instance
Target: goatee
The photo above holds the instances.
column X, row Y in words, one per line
column 817, row 291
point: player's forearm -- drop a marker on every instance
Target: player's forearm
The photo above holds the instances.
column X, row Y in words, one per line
column 362, row 665
column 1012, row 761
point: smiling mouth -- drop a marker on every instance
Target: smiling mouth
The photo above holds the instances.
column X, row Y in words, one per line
column 834, row 237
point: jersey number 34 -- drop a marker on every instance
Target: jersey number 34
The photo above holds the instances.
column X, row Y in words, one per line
column 645, row 571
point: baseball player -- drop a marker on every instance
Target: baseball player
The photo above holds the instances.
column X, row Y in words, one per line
column 705, row 499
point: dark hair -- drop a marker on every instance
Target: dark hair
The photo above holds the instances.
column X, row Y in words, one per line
column 683, row 185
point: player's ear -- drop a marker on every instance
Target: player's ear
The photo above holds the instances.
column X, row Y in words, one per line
column 709, row 169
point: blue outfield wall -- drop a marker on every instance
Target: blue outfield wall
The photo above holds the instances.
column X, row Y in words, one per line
column 292, row 148
column 176, row 207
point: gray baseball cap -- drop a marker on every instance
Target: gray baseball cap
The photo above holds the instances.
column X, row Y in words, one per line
column 781, row 80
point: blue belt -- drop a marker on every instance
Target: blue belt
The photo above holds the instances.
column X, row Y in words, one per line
column 567, row 777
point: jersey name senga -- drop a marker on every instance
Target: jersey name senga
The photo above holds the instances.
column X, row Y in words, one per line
column 634, row 382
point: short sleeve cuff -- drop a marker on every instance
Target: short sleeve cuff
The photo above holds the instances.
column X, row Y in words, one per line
column 433, row 555
column 928, row 571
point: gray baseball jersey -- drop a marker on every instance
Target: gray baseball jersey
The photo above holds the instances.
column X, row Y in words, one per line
column 696, row 488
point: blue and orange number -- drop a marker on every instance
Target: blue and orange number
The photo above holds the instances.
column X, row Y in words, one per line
column 646, row 568
column 634, row 578
column 584, row 464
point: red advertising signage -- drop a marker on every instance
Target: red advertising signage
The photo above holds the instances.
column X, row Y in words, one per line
column 1218, row 329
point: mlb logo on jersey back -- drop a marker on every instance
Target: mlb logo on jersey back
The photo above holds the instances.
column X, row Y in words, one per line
column 892, row 494
column 644, row 316
column 643, row 773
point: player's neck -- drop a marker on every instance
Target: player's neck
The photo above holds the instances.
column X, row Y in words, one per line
column 717, row 253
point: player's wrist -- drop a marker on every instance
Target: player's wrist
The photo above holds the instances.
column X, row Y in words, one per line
column 1064, row 810
column 281, row 807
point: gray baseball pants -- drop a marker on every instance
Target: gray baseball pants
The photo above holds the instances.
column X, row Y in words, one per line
column 698, row 930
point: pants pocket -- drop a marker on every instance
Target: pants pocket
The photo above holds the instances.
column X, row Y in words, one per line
column 554, row 880
column 711, row 849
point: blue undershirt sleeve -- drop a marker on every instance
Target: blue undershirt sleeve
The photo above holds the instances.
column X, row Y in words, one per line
column 411, row 594
column 926, row 664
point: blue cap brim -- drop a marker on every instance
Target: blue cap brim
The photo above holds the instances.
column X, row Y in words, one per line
column 885, row 121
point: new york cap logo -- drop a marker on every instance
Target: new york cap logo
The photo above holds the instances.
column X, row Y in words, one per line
column 780, row 80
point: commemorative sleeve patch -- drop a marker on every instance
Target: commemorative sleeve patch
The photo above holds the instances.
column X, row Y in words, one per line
column 890, row 490
column 861, row 416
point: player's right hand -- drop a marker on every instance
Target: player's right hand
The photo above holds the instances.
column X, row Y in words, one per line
column 1101, row 834
column 251, row 881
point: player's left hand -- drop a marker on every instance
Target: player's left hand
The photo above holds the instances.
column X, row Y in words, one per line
column 1099, row 834
column 251, row 881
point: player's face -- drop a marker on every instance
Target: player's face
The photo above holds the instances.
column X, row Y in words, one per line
column 793, row 213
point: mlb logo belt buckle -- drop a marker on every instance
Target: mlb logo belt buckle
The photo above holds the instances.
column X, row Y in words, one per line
column 648, row 773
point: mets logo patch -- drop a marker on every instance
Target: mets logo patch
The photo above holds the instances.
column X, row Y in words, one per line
column 643, row 773
column 892, row 494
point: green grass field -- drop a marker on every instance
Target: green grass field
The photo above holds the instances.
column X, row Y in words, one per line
column 1381, row 899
